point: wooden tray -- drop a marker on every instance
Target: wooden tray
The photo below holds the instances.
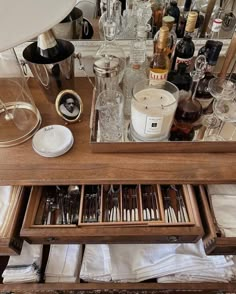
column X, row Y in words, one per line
column 161, row 147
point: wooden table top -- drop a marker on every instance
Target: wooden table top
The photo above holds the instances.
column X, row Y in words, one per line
column 20, row 165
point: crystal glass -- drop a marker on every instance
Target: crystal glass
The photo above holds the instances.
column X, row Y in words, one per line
column 220, row 89
column 152, row 110
column 110, row 107
column 224, row 106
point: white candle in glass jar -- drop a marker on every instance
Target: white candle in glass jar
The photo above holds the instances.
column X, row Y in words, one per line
column 152, row 113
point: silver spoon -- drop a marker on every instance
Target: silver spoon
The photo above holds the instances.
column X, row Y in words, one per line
column 73, row 190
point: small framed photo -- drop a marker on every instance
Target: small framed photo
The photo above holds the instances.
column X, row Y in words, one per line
column 69, row 105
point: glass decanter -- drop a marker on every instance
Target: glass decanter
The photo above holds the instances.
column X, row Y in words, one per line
column 189, row 110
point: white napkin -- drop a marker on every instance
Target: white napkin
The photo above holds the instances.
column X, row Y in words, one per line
column 96, row 264
column 223, row 199
column 5, row 198
column 24, row 267
column 222, row 189
column 138, row 262
column 63, row 263
column 217, row 269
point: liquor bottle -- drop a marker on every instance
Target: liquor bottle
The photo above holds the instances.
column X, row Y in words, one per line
column 173, row 10
column 185, row 47
column 215, row 26
column 199, row 23
column 157, row 14
column 172, row 39
column 183, row 18
column 159, row 65
column 212, row 52
column 47, row 46
column 182, row 79
column 188, row 110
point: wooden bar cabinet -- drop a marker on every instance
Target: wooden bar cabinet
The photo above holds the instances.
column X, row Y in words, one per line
column 20, row 165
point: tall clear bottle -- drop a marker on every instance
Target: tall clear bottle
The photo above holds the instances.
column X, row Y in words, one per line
column 184, row 50
column 159, row 65
column 134, row 72
column 216, row 25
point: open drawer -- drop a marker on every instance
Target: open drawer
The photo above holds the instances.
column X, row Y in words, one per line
column 214, row 242
column 10, row 241
column 112, row 214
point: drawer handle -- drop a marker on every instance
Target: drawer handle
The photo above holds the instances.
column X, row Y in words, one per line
column 51, row 239
column 173, row 239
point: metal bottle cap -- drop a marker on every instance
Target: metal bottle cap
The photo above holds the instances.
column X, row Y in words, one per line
column 107, row 67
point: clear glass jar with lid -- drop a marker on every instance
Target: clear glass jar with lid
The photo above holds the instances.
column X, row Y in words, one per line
column 19, row 117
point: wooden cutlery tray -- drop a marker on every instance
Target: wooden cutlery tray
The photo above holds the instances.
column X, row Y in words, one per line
column 214, row 242
column 116, row 213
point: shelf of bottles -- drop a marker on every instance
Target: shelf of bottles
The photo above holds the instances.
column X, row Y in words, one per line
column 173, row 96
column 201, row 108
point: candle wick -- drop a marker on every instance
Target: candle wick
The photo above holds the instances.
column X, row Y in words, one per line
column 146, row 107
column 144, row 98
column 161, row 97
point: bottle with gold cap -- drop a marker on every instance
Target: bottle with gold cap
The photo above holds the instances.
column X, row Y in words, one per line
column 184, row 50
column 168, row 21
column 159, row 65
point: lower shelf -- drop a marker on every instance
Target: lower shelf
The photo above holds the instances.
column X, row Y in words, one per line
column 124, row 287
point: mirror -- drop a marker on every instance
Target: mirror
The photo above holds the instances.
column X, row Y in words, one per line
column 86, row 19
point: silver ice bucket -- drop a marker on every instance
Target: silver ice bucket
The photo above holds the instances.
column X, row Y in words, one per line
column 71, row 26
column 53, row 76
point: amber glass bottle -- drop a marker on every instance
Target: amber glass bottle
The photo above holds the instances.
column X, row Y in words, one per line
column 159, row 65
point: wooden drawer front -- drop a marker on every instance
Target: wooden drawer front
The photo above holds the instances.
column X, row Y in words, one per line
column 139, row 217
column 10, row 241
column 213, row 242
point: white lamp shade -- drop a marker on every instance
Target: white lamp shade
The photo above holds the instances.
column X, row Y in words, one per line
column 22, row 20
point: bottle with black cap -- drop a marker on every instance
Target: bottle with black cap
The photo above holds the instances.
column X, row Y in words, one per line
column 173, row 11
column 185, row 48
column 212, row 51
column 47, row 45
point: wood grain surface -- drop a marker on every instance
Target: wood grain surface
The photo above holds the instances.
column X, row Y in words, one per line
column 20, row 165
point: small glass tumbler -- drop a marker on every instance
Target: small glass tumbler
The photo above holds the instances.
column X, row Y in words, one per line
column 110, row 107
column 152, row 110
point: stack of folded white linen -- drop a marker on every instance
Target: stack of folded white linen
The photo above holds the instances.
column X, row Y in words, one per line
column 8, row 200
column 96, row 264
column 165, row 262
column 223, row 203
column 24, row 268
column 63, row 263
